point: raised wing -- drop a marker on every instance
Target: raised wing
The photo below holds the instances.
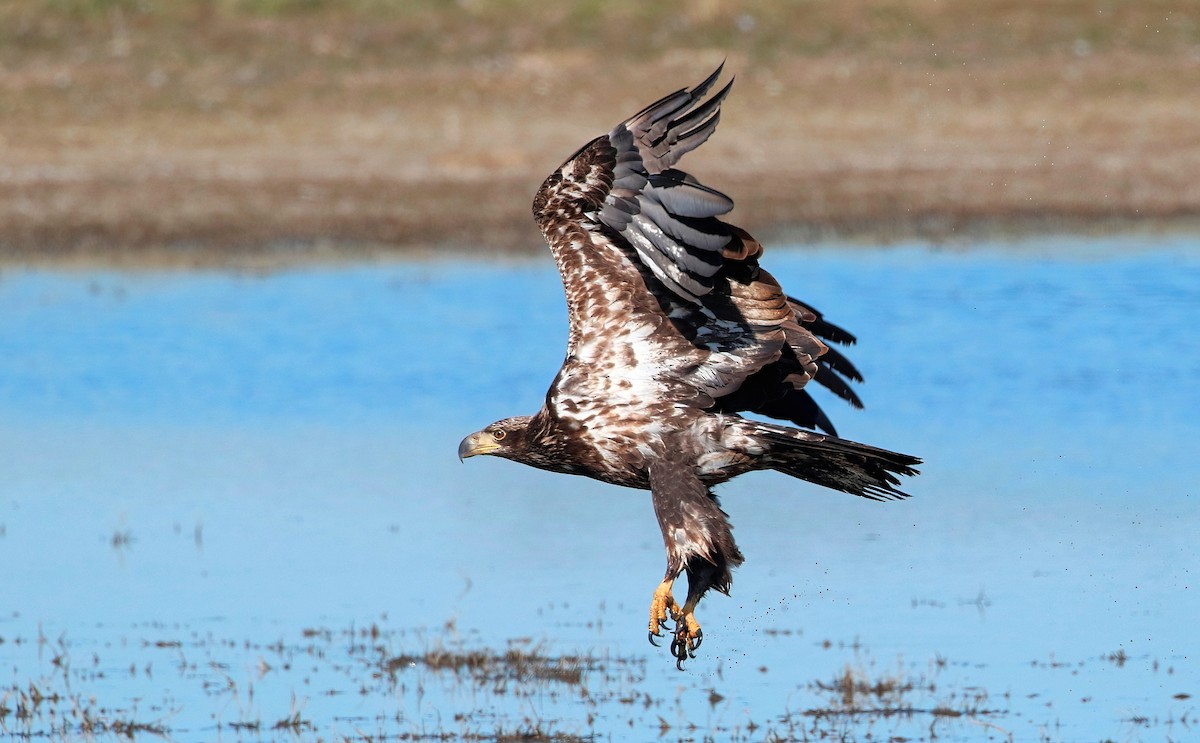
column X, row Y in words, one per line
column 665, row 214
column 660, row 287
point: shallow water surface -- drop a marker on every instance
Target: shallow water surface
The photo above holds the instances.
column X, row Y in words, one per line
column 230, row 505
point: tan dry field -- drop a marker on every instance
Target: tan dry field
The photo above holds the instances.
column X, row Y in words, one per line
column 184, row 133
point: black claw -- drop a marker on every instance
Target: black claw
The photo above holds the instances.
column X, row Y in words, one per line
column 679, row 648
column 650, row 636
column 699, row 639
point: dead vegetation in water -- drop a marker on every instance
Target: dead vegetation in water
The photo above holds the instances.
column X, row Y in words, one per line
column 37, row 711
column 363, row 663
column 374, row 683
column 882, row 704
column 521, row 666
column 855, row 692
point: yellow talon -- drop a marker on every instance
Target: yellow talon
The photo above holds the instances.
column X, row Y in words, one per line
column 686, row 636
column 663, row 608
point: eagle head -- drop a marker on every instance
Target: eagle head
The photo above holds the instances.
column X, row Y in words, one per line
column 508, row 438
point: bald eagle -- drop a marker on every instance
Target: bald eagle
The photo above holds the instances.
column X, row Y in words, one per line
column 675, row 329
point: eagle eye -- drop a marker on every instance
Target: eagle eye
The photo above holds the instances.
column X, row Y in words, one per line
column 499, row 434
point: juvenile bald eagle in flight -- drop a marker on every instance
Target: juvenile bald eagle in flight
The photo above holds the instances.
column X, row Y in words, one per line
column 675, row 329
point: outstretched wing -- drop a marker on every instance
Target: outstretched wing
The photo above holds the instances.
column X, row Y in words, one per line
column 661, row 290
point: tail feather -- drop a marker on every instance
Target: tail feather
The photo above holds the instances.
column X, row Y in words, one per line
column 836, row 463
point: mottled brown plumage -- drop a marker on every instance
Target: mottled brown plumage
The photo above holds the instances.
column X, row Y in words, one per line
column 675, row 329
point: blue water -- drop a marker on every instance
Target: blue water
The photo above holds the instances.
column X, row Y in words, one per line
column 198, row 467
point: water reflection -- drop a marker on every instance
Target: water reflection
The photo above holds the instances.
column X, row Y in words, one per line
column 215, row 472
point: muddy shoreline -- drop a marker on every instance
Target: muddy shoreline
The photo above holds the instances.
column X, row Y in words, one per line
column 184, row 137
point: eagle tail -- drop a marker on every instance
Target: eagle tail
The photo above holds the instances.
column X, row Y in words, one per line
column 835, row 463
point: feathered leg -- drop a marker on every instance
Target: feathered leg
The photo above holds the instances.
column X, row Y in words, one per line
column 698, row 540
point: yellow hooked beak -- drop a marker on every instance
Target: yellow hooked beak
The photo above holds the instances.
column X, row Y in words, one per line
column 477, row 443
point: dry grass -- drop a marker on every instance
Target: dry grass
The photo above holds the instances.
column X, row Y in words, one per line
column 197, row 131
